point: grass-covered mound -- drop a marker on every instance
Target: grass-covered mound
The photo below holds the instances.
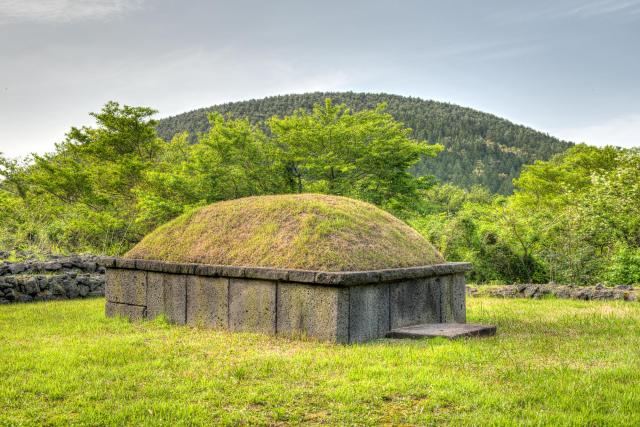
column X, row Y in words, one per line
column 301, row 231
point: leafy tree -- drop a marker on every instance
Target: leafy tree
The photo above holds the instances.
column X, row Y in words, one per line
column 84, row 190
column 106, row 186
column 366, row 154
column 233, row 159
column 573, row 219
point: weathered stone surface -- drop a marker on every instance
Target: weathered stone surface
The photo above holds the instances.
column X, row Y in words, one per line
column 333, row 307
column 302, row 276
column 17, row 267
column 459, row 298
column 445, row 330
column 348, row 278
column 414, row 302
column 175, row 288
column 131, row 312
column 252, row 305
column 446, row 298
column 126, row 286
column 144, row 264
column 106, row 261
column 155, row 294
column 114, row 290
column 319, row 312
column 532, row 290
column 231, row 271
column 188, row 268
column 125, row 263
column 266, row 273
column 368, row 312
column 207, row 301
column 167, row 295
column 208, row 270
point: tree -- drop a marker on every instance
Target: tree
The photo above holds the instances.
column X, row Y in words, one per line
column 84, row 190
column 366, row 154
column 105, row 186
column 232, row 159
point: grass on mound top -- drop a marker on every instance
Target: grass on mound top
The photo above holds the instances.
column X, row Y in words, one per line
column 301, row 231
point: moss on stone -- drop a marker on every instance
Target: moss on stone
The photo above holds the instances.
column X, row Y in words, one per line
column 302, row 231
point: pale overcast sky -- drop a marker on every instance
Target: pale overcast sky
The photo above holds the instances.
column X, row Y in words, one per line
column 570, row 68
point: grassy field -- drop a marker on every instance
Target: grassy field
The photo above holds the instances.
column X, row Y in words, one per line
column 553, row 362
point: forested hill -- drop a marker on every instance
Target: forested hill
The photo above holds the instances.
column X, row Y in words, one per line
column 480, row 148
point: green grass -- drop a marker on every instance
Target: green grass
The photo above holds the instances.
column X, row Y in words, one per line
column 303, row 231
column 553, row 362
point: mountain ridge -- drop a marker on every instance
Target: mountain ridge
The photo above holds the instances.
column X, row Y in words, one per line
column 480, row 148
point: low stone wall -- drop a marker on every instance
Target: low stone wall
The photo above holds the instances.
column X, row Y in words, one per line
column 598, row 292
column 342, row 307
column 60, row 278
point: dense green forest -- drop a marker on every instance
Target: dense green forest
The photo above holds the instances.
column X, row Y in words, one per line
column 574, row 218
column 480, row 148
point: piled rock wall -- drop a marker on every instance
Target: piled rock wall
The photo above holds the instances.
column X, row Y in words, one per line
column 536, row 291
column 77, row 276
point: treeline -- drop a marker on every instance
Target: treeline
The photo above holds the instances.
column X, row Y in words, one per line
column 572, row 219
column 105, row 187
column 480, row 149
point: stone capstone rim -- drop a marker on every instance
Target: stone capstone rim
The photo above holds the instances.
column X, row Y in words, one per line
column 344, row 278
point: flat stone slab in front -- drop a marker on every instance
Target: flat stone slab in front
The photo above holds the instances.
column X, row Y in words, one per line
column 445, row 330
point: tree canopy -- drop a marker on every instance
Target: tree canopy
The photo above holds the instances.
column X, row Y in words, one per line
column 479, row 148
column 106, row 186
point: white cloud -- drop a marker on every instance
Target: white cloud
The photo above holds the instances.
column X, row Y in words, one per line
column 605, row 7
column 63, row 10
column 623, row 131
column 569, row 10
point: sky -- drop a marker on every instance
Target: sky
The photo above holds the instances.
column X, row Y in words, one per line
column 569, row 68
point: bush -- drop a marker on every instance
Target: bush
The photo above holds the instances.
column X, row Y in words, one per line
column 624, row 268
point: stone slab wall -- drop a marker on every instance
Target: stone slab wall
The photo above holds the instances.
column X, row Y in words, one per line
column 338, row 307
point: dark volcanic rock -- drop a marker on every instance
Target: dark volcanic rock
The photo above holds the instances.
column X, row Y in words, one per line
column 76, row 276
column 598, row 292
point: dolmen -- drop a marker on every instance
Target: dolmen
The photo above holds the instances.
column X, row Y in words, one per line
column 312, row 266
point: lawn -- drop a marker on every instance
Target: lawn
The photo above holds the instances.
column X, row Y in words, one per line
column 555, row 362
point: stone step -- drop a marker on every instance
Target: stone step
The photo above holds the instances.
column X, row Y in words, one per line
column 445, row 330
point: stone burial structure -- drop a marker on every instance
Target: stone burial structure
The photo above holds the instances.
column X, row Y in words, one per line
column 324, row 267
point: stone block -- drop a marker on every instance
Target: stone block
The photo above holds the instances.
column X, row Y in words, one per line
column 266, row 273
column 131, row 312
column 414, row 302
column 208, row 270
column 125, row 263
column 444, row 330
column 319, row 312
column 302, row 276
column 459, row 298
column 155, row 295
column 126, row 286
column 446, row 299
column 175, row 298
column 252, row 306
column 188, row 268
column 368, row 312
column 207, row 301
column 149, row 265
column 167, row 295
